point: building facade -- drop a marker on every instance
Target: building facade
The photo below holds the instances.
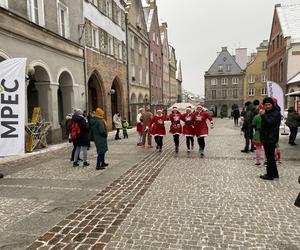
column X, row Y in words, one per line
column 224, row 85
column 166, row 70
column 138, row 59
column 172, row 75
column 255, row 81
column 156, row 60
column 179, row 83
column 105, row 43
column 284, row 50
column 46, row 33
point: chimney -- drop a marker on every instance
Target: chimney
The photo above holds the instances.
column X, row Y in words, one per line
column 241, row 57
column 224, row 48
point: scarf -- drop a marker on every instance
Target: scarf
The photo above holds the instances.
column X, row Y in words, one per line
column 100, row 115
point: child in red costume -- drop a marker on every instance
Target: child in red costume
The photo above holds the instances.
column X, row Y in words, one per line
column 175, row 128
column 158, row 128
column 201, row 129
column 188, row 128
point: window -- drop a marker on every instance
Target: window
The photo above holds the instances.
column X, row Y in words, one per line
column 151, row 56
column 264, row 65
column 110, row 45
column 140, row 48
column 147, row 78
column 264, row 78
column 141, row 75
column 63, row 20
column 224, row 81
column 235, row 93
column 220, row 68
column 264, row 91
column 214, row 94
column 146, row 52
column 133, row 71
column 3, row 3
column 251, row 92
column 35, row 11
column 251, row 79
column 228, row 67
column 235, row 80
column 154, row 36
column 109, row 8
column 214, row 82
column 132, row 42
column 120, row 51
column 95, row 37
column 224, row 93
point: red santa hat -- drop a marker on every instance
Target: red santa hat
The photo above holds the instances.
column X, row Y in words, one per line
column 159, row 110
column 274, row 100
column 188, row 108
column 174, row 108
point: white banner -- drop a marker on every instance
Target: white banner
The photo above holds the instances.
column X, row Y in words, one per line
column 274, row 90
column 12, row 106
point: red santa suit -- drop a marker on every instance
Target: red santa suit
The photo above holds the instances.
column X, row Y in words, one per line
column 200, row 125
column 139, row 125
column 158, row 125
column 175, row 128
column 188, row 127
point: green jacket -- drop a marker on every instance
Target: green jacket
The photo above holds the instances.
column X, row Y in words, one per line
column 256, row 123
column 99, row 134
column 293, row 119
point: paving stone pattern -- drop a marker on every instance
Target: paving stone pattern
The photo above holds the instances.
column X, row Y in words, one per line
column 94, row 223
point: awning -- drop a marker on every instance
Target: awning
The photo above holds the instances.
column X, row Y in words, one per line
column 296, row 93
column 295, row 79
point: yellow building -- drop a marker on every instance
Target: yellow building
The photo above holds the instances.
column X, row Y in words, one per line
column 255, row 81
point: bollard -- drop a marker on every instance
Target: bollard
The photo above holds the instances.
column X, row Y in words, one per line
column 297, row 202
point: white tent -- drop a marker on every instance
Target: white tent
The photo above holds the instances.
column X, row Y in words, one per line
column 181, row 107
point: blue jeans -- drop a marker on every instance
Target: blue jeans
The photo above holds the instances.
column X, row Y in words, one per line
column 77, row 152
column 293, row 135
column 100, row 160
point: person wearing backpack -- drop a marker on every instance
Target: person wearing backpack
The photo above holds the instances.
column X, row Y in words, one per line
column 80, row 135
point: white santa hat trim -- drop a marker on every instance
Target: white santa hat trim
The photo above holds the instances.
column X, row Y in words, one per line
column 159, row 110
column 188, row 108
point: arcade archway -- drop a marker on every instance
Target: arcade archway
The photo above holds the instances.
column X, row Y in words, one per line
column 96, row 92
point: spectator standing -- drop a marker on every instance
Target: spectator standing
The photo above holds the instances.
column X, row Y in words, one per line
column 293, row 122
column 118, row 125
column 236, row 116
column 247, row 127
column 139, row 126
column 80, row 133
column 99, row 134
column 146, row 121
column 125, row 126
column 270, row 125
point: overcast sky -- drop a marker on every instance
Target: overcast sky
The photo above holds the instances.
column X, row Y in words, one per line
column 199, row 28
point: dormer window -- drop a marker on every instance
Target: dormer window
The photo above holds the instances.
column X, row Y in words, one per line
column 220, row 68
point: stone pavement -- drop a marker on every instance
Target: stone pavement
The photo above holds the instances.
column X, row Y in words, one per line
column 158, row 201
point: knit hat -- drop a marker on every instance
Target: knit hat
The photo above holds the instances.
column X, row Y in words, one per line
column 78, row 112
column 268, row 100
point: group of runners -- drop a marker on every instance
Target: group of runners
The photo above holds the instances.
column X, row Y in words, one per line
column 194, row 125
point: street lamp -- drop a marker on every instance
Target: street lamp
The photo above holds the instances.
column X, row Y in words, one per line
column 128, row 6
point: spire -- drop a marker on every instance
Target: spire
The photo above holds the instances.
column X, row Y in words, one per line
column 179, row 72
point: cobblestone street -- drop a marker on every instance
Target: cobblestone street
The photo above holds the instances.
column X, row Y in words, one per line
column 147, row 200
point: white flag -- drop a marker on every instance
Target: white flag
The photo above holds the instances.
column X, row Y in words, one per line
column 12, row 106
column 274, row 90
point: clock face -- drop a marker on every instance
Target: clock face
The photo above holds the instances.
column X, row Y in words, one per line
column 224, row 59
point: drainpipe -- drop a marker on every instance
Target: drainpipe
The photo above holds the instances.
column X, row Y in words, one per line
column 127, row 59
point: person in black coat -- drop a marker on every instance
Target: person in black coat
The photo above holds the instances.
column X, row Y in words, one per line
column 82, row 138
column 269, row 135
column 236, row 115
column 247, row 127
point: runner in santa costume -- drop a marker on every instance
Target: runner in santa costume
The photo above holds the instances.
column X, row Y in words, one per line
column 158, row 128
column 175, row 127
column 201, row 129
column 188, row 128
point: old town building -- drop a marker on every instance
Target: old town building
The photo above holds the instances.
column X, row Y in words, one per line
column 166, row 70
column 155, row 46
column 172, row 75
column 105, row 42
column 284, row 49
column 46, row 33
column 179, row 83
column 138, row 59
column 255, row 81
column 224, row 84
